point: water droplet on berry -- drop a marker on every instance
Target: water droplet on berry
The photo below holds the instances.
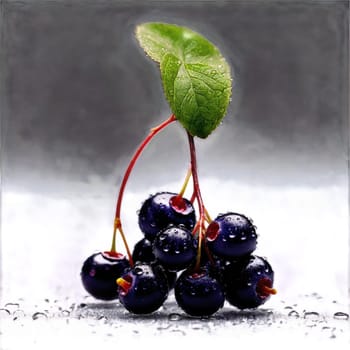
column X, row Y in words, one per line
column 177, row 251
column 341, row 315
column 138, row 271
column 243, row 238
column 162, row 236
column 39, row 315
column 231, row 235
column 166, row 249
column 174, row 317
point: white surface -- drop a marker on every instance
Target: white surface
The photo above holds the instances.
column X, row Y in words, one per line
column 302, row 231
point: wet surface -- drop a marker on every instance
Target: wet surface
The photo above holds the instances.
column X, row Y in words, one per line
column 311, row 320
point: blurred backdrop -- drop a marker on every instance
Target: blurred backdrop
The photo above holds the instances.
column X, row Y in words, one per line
column 79, row 95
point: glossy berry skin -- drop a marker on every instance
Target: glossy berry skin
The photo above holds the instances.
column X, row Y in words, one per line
column 143, row 253
column 231, row 236
column 99, row 273
column 199, row 294
column 143, row 289
column 163, row 209
column 248, row 283
column 175, row 248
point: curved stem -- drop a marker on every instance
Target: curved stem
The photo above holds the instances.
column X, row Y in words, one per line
column 117, row 221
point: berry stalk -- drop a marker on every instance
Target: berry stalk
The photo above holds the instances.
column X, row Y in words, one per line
column 117, row 221
column 197, row 194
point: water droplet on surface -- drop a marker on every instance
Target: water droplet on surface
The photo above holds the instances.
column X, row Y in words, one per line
column 311, row 314
column 14, row 305
column 65, row 313
column 18, row 313
column 102, row 318
column 294, row 314
column 174, row 317
column 4, row 313
column 39, row 315
column 341, row 315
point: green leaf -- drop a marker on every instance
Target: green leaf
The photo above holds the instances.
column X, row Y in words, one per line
column 196, row 78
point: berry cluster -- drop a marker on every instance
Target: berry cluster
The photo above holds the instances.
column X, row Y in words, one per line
column 206, row 261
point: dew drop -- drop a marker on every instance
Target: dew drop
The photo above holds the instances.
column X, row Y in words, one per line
column 177, row 251
column 65, row 313
column 294, row 314
column 232, row 236
column 311, row 314
column 166, row 249
column 39, row 315
column 18, row 313
column 14, row 305
column 174, row 317
column 4, row 312
column 138, row 271
column 341, row 315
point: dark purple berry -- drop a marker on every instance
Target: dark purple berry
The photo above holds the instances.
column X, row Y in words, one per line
column 231, row 236
column 175, row 248
column 99, row 273
column 198, row 293
column 143, row 289
column 248, row 283
column 163, row 209
column 143, row 251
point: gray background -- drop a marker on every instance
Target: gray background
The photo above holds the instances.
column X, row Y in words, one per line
column 80, row 93
column 78, row 96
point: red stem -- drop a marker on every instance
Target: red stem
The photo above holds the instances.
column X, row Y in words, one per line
column 198, row 196
column 145, row 142
column 117, row 221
